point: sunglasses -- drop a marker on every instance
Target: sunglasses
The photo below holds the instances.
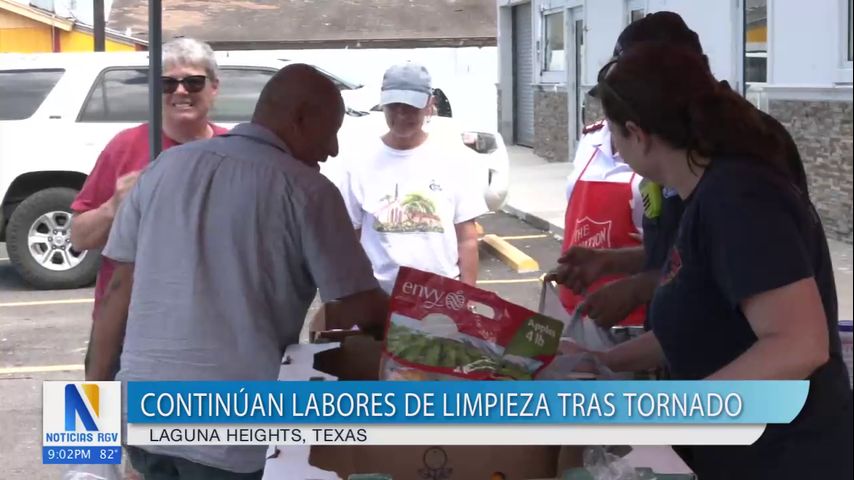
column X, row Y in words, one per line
column 602, row 86
column 192, row 83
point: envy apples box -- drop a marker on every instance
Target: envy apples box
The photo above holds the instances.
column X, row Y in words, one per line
column 438, row 329
column 357, row 357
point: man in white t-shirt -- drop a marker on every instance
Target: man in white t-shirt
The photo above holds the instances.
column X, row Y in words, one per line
column 409, row 193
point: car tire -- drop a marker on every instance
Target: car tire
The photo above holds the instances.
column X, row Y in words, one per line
column 39, row 245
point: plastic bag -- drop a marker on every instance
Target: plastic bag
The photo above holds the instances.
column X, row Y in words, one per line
column 577, row 366
column 588, row 334
column 439, row 328
column 583, row 330
column 93, row 472
column 604, row 465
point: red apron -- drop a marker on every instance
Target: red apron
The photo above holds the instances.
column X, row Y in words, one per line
column 599, row 215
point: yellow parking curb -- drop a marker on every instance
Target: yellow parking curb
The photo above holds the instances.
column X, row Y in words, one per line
column 524, row 237
column 512, row 256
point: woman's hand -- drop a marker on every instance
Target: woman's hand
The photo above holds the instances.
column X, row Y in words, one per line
column 591, row 361
column 579, row 267
column 613, row 302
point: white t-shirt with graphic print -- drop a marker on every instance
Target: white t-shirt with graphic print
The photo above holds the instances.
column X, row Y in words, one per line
column 407, row 203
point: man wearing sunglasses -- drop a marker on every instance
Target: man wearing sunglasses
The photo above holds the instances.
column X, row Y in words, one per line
column 190, row 84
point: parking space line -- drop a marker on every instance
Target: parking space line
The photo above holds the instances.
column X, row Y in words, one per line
column 46, row 302
column 41, row 369
column 524, row 237
column 509, row 280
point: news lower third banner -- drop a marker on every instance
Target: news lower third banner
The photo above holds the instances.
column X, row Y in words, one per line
column 458, row 413
column 82, row 422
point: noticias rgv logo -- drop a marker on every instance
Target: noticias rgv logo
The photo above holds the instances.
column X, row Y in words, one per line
column 75, row 406
column 75, row 413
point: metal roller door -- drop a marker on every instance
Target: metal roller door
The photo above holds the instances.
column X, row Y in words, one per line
column 523, row 76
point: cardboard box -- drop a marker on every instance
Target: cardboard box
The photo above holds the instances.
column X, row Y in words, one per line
column 439, row 462
column 356, row 357
column 352, row 356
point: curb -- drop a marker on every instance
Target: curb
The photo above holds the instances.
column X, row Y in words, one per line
column 534, row 220
column 511, row 255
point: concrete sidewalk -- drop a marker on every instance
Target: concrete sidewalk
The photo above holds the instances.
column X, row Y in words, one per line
column 538, row 196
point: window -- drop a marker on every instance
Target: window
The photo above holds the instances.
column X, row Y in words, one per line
column 635, row 10
column 119, row 95
column 239, row 89
column 24, row 91
column 850, row 28
column 756, row 67
column 756, row 41
column 555, row 57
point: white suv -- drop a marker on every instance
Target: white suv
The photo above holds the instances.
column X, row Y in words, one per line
column 58, row 111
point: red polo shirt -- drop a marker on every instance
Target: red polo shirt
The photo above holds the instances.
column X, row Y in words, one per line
column 127, row 152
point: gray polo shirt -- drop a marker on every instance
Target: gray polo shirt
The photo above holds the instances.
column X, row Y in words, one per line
column 231, row 239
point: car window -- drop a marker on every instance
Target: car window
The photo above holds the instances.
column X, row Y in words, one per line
column 119, row 95
column 24, row 91
column 339, row 82
column 239, row 89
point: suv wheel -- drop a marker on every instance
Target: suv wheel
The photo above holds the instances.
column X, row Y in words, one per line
column 39, row 242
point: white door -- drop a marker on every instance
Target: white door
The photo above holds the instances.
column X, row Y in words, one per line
column 574, row 29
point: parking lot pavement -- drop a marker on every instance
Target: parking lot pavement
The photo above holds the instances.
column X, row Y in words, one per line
column 43, row 336
column 519, row 288
column 40, row 331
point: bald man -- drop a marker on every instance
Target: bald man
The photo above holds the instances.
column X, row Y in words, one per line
column 220, row 248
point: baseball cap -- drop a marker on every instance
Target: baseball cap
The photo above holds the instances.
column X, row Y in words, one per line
column 408, row 83
column 667, row 27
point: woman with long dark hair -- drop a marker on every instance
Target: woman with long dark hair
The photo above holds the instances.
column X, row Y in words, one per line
column 748, row 290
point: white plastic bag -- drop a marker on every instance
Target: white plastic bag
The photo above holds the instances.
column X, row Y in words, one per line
column 93, row 472
column 581, row 329
column 603, row 465
column 569, row 366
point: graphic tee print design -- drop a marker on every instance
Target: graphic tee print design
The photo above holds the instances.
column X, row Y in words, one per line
column 413, row 212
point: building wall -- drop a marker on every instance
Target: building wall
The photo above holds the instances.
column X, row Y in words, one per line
column 806, row 44
column 551, row 135
column 75, row 41
column 823, row 132
column 717, row 23
column 19, row 34
column 22, row 35
column 809, row 91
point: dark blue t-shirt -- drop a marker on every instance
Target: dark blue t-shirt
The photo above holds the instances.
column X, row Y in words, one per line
column 746, row 230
